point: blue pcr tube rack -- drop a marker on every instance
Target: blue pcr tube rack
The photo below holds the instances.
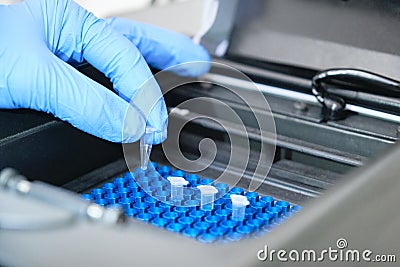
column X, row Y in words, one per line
column 208, row 226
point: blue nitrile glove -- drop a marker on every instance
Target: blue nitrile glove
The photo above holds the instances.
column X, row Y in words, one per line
column 39, row 38
column 163, row 49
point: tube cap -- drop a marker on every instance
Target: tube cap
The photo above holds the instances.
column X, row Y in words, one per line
column 207, row 189
column 239, row 201
column 177, row 181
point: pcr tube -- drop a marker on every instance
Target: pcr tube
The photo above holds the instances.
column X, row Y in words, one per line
column 207, row 196
column 146, row 144
column 177, row 184
column 239, row 204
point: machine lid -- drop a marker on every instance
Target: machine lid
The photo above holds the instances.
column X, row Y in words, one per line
column 316, row 35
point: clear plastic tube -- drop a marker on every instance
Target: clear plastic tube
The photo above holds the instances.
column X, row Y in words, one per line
column 177, row 184
column 146, row 144
column 239, row 204
column 207, row 196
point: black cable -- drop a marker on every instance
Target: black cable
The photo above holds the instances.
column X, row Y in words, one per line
column 353, row 80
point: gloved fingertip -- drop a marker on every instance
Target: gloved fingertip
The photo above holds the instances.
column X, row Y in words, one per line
column 195, row 63
column 192, row 69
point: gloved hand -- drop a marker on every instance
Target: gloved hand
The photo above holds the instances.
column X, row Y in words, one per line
column 39, row 38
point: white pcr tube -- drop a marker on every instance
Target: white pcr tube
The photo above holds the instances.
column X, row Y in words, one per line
column 239, row 204
column 207, row 196
column 177, row 184
column 146, row 144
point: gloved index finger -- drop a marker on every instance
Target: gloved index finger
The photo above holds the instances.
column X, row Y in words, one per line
column 116, row 57
column 113, row 54
column 105, row 49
